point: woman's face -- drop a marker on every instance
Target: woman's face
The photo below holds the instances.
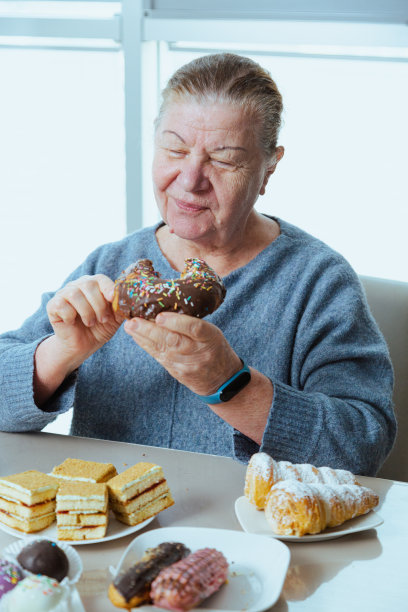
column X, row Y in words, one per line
column 208, row 170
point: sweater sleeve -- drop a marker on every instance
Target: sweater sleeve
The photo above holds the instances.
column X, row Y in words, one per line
column 18, row 411
column 335, row 408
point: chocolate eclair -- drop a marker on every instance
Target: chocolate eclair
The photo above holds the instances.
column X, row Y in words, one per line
column 132, row 587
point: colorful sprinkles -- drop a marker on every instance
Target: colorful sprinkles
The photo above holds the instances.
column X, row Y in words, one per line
column 141, row 292
column 10, row 575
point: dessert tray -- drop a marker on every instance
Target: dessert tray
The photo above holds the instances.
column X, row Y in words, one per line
column 257, row 571
column 254, row 521
column 115, row 530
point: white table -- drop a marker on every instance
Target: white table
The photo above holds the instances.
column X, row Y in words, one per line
column 358, row 573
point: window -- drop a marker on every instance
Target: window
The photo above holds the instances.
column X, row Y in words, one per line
column 62, row 157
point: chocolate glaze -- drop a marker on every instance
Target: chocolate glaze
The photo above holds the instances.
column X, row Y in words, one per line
column 136, row 581
column 141, row 292
column 44, row 557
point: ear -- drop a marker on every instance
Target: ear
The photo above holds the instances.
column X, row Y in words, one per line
column 277, row 156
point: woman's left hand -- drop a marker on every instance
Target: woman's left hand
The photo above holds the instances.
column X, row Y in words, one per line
column 195, row 352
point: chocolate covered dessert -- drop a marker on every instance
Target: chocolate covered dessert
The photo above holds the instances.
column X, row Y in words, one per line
column 132, row 587
column 44, row 557
column 141, row 292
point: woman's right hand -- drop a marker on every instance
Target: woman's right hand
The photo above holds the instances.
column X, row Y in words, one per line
column 83, row 320
column 82, row 317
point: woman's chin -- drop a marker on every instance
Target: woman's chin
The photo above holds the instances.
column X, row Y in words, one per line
column 189, row 229
column 186, row 234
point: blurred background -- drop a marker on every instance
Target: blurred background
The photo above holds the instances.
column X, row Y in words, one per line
column 80, row 87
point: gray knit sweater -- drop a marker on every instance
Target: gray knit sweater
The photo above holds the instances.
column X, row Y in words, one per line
column 296, row 313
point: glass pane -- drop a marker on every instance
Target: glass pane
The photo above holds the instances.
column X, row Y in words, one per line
column 62, row 166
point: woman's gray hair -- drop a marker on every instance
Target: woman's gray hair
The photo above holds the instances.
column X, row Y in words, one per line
column 230, row 78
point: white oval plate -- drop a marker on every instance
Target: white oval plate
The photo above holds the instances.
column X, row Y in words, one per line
column 76, row 602
column 254, row 521
column 116, row 530
column 258, row 565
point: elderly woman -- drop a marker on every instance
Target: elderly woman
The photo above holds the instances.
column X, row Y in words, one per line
column 320, row 377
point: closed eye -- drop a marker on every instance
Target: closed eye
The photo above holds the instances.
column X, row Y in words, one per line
column 176, row 153
column 223, row 164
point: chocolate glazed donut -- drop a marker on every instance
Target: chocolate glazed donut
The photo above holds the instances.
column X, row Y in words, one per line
column 132, row 587
column 141, row 292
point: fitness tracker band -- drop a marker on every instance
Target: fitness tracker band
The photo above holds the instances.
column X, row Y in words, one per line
column 230, row 388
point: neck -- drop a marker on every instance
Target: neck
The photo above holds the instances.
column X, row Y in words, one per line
column 223, row 256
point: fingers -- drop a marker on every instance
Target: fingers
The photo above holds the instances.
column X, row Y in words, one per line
column 193, row 351
column 89, row 297
column 155, row 340
column 60, row 311
column 92, row 289
column 193, row 342
column 181, row 333
column 106, row 286
column 192, row 327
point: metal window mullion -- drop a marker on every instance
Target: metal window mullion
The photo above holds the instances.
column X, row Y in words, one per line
column 275, row 32
column 61, row 27
column 380, row 11
column 132, row 12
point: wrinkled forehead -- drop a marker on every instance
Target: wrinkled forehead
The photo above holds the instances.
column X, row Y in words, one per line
column 206, row 100
column 214, row 122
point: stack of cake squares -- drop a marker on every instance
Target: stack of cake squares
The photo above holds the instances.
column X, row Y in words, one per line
column 82, row 510
column 82, row 499
column 139, row 493
column 27, row 500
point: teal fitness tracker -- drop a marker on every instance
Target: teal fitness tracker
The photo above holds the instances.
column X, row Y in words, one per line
column 230, row 388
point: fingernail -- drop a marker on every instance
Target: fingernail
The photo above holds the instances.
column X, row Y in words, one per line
column 133, row 324
column 161, row 317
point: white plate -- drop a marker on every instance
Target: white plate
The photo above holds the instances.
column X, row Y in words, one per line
column 76, row 602
column 116, row 530
column 258, row 565
column 254, row 521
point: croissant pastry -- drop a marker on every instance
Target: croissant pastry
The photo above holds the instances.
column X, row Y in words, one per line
column 297, row 508
column 263, row 472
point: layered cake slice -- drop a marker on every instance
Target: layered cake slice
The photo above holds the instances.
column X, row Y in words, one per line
column 27, row 500
column 82, row 511
column 84, row 471
column 139, row 493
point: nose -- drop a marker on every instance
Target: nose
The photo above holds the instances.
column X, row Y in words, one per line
column 192, row 177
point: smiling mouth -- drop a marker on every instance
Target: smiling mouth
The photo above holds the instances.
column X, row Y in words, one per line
column 188, row 207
